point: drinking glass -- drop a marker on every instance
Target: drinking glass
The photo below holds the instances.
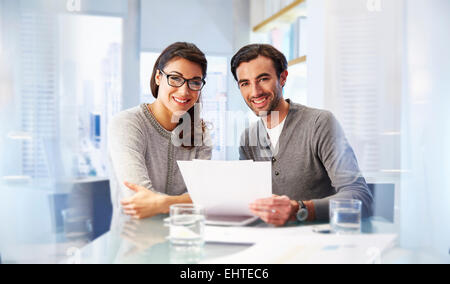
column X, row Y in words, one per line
column 186, row 225
column 345, row 216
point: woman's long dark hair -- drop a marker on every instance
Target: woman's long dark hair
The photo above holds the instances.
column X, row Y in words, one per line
column 189, row 52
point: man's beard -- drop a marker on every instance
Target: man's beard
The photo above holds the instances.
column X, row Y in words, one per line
column 273, row 105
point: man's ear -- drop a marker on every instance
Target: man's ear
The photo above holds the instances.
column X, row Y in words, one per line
column 283, row 78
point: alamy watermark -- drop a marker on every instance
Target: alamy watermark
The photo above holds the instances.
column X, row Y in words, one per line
column 237, row 122
column 74, row 255
column 374, row 5
column 73, row 6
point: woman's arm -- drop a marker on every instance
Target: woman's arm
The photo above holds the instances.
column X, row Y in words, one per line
column 126, row 146
column 171, row 200
column 145, row 203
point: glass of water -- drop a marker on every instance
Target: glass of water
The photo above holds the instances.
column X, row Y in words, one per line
column 186, row 225
column 345, row 216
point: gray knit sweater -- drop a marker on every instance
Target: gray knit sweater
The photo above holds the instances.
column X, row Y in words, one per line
column 141, row 152
column 312, row 161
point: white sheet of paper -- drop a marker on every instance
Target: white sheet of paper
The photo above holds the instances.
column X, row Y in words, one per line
column 252, row 235
column 227, row 187
column 314, row 249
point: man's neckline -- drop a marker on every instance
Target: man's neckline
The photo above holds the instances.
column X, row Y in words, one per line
column 281, row 122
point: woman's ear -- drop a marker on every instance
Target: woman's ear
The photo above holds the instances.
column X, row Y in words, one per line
column 158, row 78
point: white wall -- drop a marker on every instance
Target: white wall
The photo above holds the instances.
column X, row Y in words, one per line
column 241, row 24
column 206, row 23
column 1, row 27
column 410, row 84
column 425, row 151
column 117, row 8
column 131, row 55
column 316, row 53
column 362, row 79
column 409, row 40
column 241, row 37
column 257, row 12
column 9, row 104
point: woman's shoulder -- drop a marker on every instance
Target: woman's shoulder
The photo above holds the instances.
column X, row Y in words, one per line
column 128, row 119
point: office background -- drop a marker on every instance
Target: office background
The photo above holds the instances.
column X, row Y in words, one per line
column 68, row 66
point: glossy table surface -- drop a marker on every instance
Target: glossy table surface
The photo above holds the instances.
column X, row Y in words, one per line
column 145, row 241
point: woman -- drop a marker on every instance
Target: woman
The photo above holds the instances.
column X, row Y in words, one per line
column 144, row 142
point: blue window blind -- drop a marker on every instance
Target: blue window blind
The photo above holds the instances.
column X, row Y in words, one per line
column 38, row 92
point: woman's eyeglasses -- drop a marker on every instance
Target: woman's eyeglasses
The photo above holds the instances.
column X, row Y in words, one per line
column 178, row 81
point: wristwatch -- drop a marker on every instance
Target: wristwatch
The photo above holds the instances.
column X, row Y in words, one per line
column 302, row 214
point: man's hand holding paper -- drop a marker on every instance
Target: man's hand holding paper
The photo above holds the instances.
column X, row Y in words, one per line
column 226, row 188
column 276, row 210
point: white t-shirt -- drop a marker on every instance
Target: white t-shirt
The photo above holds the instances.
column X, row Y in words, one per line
column 274, row 133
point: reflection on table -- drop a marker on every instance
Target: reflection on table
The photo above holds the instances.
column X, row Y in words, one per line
column 145, row 241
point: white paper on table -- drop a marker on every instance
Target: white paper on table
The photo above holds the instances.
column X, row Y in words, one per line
column 314, row 249
column 252, row 235
column 211, row 162
column 227, row 187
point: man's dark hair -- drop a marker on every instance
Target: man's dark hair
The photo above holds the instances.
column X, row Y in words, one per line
column 252, row 51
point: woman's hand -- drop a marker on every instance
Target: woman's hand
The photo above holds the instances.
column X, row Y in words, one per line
column 145, row 203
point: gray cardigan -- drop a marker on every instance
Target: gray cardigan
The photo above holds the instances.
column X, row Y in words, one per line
column 313, row 160
column 141, row 151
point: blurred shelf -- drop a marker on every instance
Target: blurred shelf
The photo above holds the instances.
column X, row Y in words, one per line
column 19, row 135
column 391, row 133
column 296, row 61
column 85, row 180
column 16, row 179
column 287, row 15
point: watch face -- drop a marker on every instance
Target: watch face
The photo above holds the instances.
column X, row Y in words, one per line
column 302, row 215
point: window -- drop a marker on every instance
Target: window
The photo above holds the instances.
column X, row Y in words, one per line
column 91, row 90
column 214, row 100
column 363, row 82
column 68, row 88
column 38, row 90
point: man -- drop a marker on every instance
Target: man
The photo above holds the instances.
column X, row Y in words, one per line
column 312, row 160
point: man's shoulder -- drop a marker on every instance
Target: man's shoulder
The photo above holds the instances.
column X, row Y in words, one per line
column 299, row 116
column 308, row 115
